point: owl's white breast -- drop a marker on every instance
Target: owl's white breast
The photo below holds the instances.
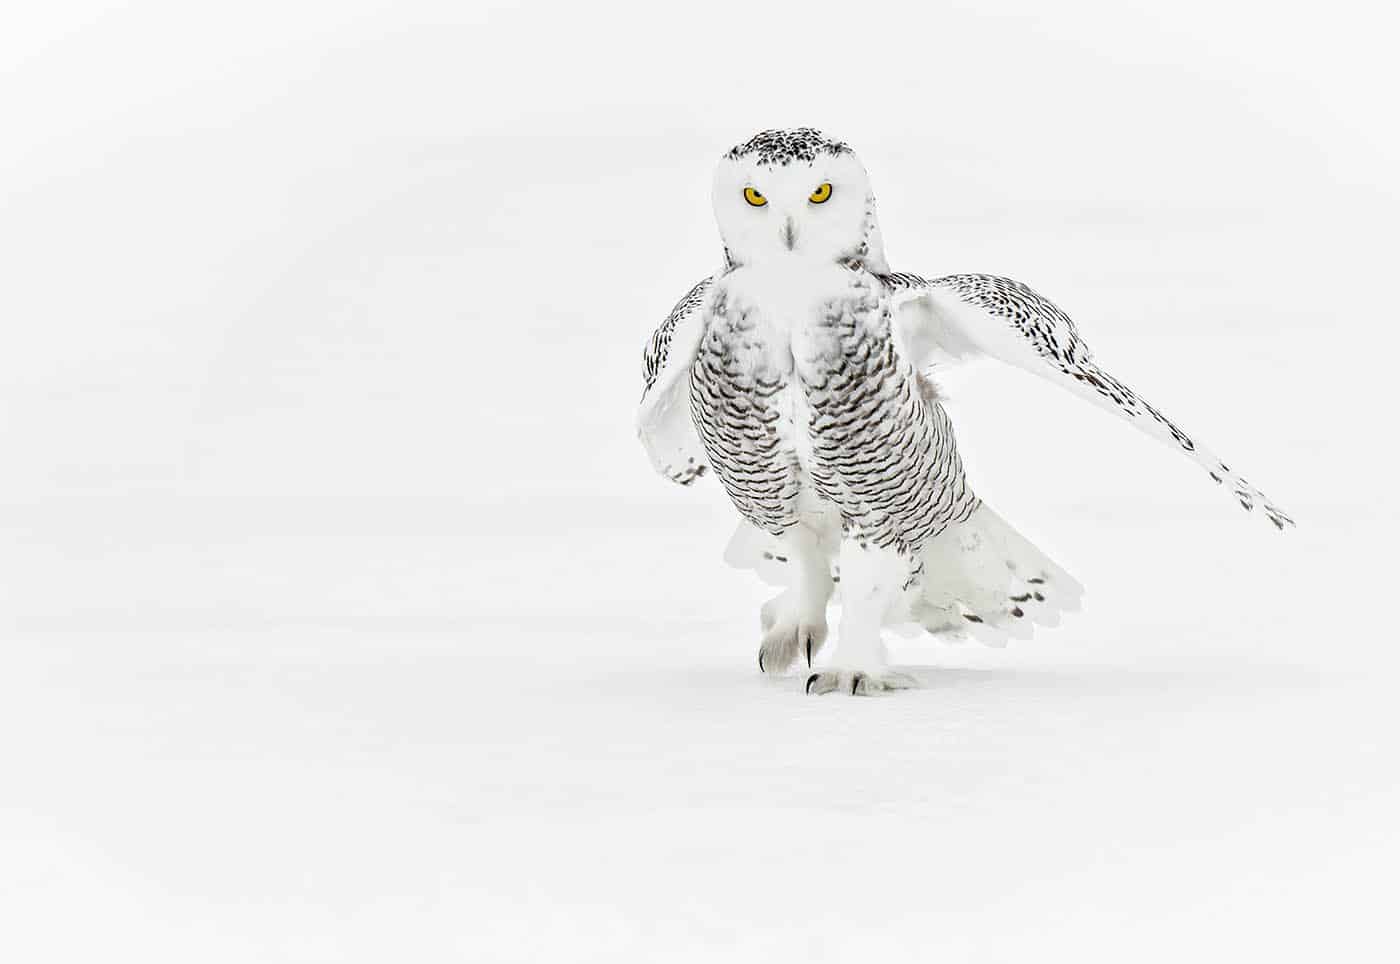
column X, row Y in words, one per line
column 785, row 296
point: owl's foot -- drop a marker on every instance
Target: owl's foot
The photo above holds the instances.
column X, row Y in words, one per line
column 858, row 682
column 790, row 632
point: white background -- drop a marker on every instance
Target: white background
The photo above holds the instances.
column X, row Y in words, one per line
column 342, row 619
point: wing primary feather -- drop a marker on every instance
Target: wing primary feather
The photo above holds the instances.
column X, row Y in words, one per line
column 663, row 423
column 977, row 315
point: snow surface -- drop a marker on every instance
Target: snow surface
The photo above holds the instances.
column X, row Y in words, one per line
column 341, row 618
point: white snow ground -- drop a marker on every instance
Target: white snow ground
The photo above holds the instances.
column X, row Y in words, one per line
column 341, row 618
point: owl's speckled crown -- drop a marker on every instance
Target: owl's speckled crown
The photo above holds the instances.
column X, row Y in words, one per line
column 783, row 147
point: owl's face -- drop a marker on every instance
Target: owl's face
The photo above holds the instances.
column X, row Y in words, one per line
column 795, row 194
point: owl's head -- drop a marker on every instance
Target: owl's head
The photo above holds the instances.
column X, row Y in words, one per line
column 787, row 194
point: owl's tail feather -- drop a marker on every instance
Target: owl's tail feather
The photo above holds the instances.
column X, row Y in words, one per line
column 981, row 578
column 984, row 579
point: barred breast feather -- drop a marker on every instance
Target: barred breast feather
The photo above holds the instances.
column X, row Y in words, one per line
column 743, row 412
column 824, row 403
column 883, row 451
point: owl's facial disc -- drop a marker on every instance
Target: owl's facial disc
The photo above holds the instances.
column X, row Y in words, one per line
column 814, row 206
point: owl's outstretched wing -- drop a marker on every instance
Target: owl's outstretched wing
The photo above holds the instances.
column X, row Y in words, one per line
column 966, row 316
column 663, row 418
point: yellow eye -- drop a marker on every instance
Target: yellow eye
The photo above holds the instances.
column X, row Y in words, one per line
column 821, row 193
column 754, row 198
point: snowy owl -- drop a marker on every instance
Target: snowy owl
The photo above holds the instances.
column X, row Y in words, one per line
column 799, row 374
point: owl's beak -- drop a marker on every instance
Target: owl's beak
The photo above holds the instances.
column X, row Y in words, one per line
column 789, row 233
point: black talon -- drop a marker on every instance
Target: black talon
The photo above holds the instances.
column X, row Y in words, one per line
column 809, row 652
column 760, row 662
column 855, row 681
column 810, row 680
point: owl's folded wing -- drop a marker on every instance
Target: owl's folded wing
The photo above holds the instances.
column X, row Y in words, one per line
column 663, row 417
column 967, row 316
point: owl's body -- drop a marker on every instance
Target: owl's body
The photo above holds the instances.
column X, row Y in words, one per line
column 809, row 415
column 798, row 373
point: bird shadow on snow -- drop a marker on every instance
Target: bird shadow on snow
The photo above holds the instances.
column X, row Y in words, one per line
column 938, row 683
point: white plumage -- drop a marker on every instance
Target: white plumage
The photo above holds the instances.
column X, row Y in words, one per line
column 797, row 374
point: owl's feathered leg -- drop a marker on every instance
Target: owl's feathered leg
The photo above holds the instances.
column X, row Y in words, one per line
column 794, row 622
column 871, row 583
